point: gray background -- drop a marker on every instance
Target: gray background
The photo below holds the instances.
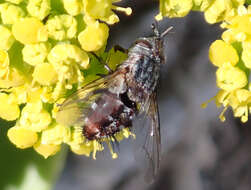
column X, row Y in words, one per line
column 199, row 151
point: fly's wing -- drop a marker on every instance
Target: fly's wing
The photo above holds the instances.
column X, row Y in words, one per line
column 147, row 129
column 75, row 108
column 154, row 148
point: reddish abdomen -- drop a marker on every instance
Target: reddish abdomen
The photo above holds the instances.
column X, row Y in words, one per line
column 108, row 114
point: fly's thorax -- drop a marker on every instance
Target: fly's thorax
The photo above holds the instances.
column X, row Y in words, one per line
column 144, row 67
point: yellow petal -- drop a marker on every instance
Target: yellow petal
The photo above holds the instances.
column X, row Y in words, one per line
column 6, row 38
column 29, row 31
column 94, row 36
column 220, row 52
column 21, row 137
column 9, row 110
column 45, row 74
column 46, row 150
column 12, row 80
column 230, row 78
column 4, row 64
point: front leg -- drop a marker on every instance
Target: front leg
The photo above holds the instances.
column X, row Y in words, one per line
column 102, row 62
column 119, row 48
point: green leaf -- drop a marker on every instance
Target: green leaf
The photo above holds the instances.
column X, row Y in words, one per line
column 26, row 169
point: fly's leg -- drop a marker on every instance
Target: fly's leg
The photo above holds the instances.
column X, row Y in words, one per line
column 119, row 48
column 102, row 62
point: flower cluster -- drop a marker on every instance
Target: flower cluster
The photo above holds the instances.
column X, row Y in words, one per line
column 44, row 57
column 214, row 11
column 231, row 54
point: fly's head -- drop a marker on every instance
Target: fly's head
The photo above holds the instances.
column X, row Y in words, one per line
column 157, row 42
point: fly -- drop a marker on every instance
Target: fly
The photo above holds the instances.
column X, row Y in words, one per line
column 107, row 105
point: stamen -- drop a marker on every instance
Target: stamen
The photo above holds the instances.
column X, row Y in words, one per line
column 95, row 148
column 222, row 117
column 204, row 104
column 127, row 11
column 114, row 155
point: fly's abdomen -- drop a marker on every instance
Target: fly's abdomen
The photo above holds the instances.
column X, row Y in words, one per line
column 108, row 114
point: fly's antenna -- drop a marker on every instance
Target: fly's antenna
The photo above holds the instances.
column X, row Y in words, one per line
column 166, row 32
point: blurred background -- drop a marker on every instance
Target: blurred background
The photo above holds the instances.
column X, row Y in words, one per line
column 199, row 151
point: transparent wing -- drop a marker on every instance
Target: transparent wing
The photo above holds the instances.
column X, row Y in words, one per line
column 75, row 108
column 148, row 139
column 154, row 148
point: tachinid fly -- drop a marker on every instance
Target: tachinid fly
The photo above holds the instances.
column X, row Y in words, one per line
column 110, row 103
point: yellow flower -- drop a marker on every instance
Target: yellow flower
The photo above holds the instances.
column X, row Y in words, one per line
column 56, row 134
column 13, row 79
column 201, row 5
column 244, row 99
column 67, row 61
column 239, row 100
column 39, row 8
column 61, row 27
column 220, row 52
column 102, row 10
column 36, row 33
column 10, row 13
column 214, row 11
column 73, row 7
column 34, row 54
column 232, row 55
column 241, row 24
column 68, row 54
column 230, row 78
column 94, row 36
column 6, row 38
column 174, row 8
column 222, row 9
column 22, row 137
column 34, row 117
column 9, row 110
